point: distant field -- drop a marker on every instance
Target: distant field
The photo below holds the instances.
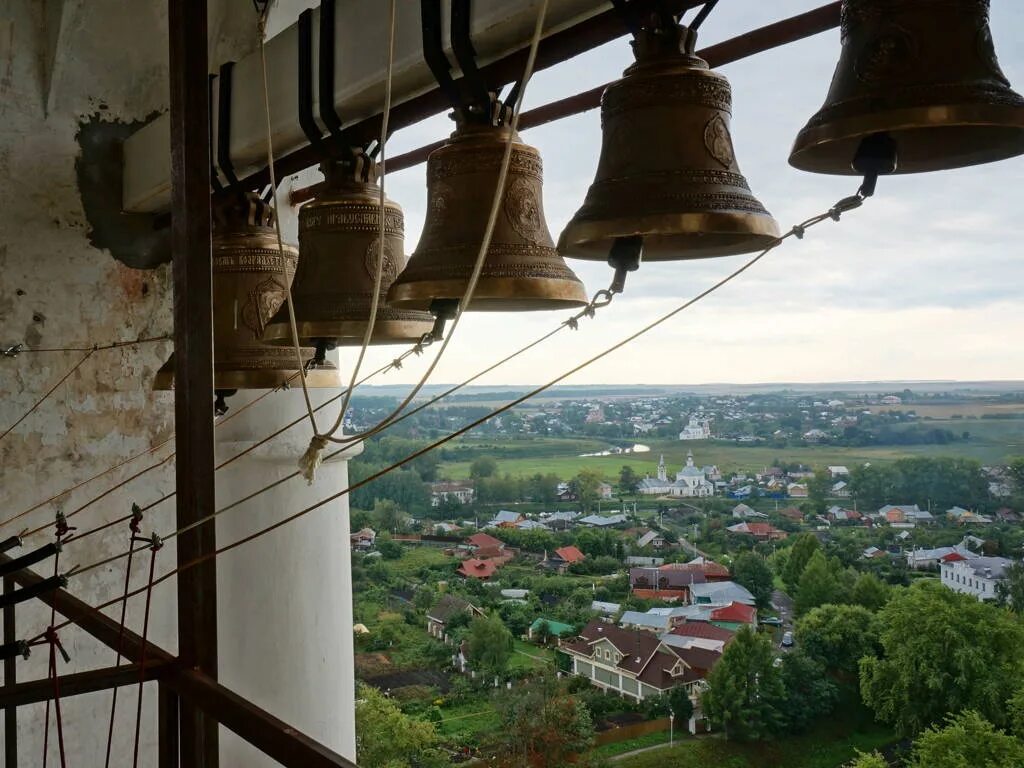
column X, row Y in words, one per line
column 992, row 441
column 945, row 410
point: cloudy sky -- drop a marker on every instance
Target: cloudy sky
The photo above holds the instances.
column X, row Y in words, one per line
column 923, row 282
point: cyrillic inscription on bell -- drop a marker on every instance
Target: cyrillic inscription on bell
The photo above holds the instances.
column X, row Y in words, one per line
column 339, row 250
column 521, row 269
column 667, row 170
column 925, row 73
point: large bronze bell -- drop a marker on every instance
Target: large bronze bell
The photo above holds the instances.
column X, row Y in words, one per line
column 667, row 171
column 339, row 247
column 249, row 286
column 925, row 73
column 522, row 270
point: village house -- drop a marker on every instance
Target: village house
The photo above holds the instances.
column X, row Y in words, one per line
column 560, row 559
column 697, row 428
column 441, row 614
column 923, row 559
column 473, row 568
column 745, row 512
column 605, row 490
column 652, row 539
column 363, row 539
column 797, row 491
column 445, row 491
column 974, row 575
column 760, row 531
column 792, row 513
column 690, row 481
column 542, row 629
column 637, row 664
column 505, row 519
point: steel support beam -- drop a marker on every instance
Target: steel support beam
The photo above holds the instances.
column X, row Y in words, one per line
column 193, row 362
column 10, row 678
column 285, row 744
column 77, row 683
column 167, row 727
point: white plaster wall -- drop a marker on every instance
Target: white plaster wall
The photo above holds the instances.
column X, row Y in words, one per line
column 61, row 62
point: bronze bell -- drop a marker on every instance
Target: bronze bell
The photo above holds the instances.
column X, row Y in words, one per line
column 339, row 246
column 249, row 286
column 925, row 73
column 667, row 171
column 521, row 270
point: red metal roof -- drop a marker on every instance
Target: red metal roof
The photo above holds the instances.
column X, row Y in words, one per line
column 570, row 554
column 477, row 569
column 483, row 540
column 704, row 630
column 735, row 612
column 952, row 557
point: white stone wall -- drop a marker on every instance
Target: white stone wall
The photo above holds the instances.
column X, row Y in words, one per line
column 62, row 63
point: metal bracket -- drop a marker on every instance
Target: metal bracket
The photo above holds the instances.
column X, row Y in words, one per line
column 433, row 54
column 224, row 123
column 31, row 558
column 305, row 89
column 328, row 114
column 10, row 543
column 479, row 97
column 214, row 178
column 14, row 350
column 28, row 593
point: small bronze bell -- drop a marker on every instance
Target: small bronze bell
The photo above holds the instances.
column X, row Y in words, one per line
column 249, row 286
column 339, row 247
column 667, row 171
column 925, row 73
column 522, row 270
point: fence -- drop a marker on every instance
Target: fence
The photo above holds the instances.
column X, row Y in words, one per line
column 626, row 732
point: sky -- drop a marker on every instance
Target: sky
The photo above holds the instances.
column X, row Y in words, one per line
column 923, row 282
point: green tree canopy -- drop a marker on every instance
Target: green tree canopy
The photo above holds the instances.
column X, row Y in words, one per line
column 838, row 636
column 869, row 591
column 818, row 585
column 388, row 738
column 818, row 489
column 868, row 760
column 746, row 695
column 1010, row 590
column 586, row 487
column 942, row 652
column 967, row 740
column 490, row 644
column 483, row 466
column 810, row 693
column 752, row 571
column 628, row 479
column 542, row 726
column 806, row 544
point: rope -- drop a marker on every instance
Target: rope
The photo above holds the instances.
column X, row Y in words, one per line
column 120, row 639
column 17, row 349
column 52, row 389
column 834, row 213
column 155, row 545
column 484, row 245
column 261, row 34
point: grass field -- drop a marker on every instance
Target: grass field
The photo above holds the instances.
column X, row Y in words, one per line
column 992, row 441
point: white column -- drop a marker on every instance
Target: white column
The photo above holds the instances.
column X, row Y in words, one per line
column 285, row 599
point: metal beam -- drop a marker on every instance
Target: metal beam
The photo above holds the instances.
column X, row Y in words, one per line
column 77, row 683
column 193, row 362
column 10, row 678
column 734, row 49
column 167, row 727
column 285, row 744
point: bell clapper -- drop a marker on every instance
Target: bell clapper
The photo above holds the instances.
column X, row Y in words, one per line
column 876, row 156
column 624, row 257
column 443, row 310
column 220, row 403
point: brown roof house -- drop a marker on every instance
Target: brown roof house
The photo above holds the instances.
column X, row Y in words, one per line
column 440, row 616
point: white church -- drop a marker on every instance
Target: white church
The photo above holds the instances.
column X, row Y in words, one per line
column 690, row 482
column 696, row 429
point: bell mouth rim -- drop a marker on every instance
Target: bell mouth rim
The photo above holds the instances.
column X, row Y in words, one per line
column 811, row 147
column 504, row 294
column 318, row 378
column 348, row 333
column 591, row 240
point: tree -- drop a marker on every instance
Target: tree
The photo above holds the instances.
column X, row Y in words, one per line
column 484, row 466
column 868, row 760
column 873, row 485
column 1010, row 590
column 390, row 550
column 942, row 652
column 628, row 479
column 967, row 739
column 869, row 591
column 838, row 636
column 586, row 487
column 388, row 738
column 541, row 725
column 388, row 516
column 1015, row 713
column 818, row 489
column 746, row 695
column 752, row 571
column 809, row 691
column 806, row 544
column 818, row 585
column 490, row 644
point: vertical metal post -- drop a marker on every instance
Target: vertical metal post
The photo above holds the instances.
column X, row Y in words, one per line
column 167, row 730
column 193, row 358
column 10, row 678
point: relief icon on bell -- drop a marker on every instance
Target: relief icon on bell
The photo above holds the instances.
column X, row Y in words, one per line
column 250, row 283
column 667, row 172
column 924, row 74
